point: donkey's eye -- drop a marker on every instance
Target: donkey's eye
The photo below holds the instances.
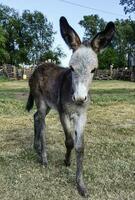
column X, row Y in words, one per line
column 72, row 69
column 92, row 71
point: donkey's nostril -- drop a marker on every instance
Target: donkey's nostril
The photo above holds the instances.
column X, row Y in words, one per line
column 85, row 99
column 73, row 98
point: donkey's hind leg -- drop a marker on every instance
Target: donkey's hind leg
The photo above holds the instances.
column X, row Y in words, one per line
column 37, row 143
column 39, row 129
column 69, row 142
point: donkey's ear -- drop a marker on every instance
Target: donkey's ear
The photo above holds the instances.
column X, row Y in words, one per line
column 102, row 39
column 69, row 35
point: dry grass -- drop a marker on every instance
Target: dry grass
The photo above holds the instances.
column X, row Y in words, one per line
column 109, row 165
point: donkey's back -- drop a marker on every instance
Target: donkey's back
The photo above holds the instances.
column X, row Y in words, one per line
column 45, row 83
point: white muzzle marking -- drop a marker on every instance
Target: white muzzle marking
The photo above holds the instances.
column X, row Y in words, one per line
column 80, row 94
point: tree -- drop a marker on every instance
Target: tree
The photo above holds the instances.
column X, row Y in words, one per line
column 129, row 5
column 38, row 33
column 124, row 39
column 4, row 56
column 8, row 17
column 54, row 55
column 107, row 58
column 92, row 24
column 28, row 37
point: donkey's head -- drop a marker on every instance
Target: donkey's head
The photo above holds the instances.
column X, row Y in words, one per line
column 84, row 60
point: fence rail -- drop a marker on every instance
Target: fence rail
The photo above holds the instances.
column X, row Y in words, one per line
column 12, row 72
column 115, row 74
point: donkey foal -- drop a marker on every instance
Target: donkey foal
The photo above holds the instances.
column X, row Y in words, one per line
column 67, row 90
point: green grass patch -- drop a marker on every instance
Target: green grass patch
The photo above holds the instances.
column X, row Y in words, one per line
column 3, row 79
column 109, row 162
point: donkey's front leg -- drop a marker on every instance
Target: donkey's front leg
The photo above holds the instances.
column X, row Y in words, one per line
column 79, row 147
column 69, row 143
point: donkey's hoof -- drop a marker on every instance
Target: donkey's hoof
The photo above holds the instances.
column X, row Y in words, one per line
column 43, row 162
column 67, row 163
column 82, row 191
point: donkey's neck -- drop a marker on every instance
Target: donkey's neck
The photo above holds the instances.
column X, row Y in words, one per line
column 65, row 88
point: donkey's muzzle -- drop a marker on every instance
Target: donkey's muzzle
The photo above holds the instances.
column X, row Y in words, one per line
column 80, row 100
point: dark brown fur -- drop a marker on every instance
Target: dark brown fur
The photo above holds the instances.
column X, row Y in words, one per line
column 47, row 77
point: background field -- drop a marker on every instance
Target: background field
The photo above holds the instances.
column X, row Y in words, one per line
column 109, row 163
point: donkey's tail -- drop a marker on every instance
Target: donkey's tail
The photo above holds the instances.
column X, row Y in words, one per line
column 30, row 102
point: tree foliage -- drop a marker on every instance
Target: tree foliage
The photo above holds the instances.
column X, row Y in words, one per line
column 54, row 55
column 129, row 5
column 28, row 36
column 92, row 25
column 38, row 32
column 3, row 53
column 122, row 45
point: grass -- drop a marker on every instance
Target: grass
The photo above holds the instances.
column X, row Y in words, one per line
column 109, row 163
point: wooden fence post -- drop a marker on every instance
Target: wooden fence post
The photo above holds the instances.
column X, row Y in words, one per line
column 132, row 78
column 14, row 72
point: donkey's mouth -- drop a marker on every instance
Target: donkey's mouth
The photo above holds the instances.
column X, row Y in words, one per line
column 80, row 102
